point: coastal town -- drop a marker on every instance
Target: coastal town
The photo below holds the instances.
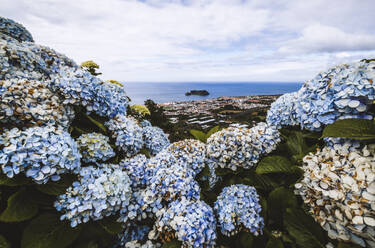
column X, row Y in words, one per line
column 242, row 111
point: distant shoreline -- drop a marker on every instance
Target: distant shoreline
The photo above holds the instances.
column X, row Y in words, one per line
column 175, row 92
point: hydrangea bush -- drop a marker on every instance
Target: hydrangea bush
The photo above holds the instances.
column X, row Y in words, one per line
column 78, row 171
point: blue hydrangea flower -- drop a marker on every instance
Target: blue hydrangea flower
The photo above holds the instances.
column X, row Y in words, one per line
column 95, row 147
column 172, row 183
column 238, row 208
column 101, row 191
column 43, row 153
column 28, row 102
column 241, row 147
column 344, row 91
column 154, row 139
column 192, row 222
column 146, row 123
column 14, row 30
column 133, row 232
column 190, row 151
column 136, row 167
column 127, row 133
column 283, row 112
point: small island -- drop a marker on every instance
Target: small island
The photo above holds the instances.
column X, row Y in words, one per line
column 197, row 92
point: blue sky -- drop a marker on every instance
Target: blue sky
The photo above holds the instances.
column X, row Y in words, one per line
column 196, row 40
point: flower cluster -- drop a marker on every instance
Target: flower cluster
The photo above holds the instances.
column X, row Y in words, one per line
column 100, row 191
column 95, row 147
column 192, row 222
column 189, row 151
column 43, row 153
column 339, row 188
column 29, row 103
column 155, row 139
column 241, row 147
column 344, row 91
column 136, row 169
column 127, row 133
column 283, row 111
column 172, row 183
column 14, row 30
column 238, row 208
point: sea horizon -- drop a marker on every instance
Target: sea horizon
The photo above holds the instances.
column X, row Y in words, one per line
column 163, row 92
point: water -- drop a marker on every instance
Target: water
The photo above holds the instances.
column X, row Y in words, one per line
column 173, row 92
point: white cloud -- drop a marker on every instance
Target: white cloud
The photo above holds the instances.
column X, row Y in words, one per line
column 202, row 40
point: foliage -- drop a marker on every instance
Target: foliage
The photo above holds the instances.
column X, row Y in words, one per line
column 91, row 67
column 360, row 129
column 201, row 136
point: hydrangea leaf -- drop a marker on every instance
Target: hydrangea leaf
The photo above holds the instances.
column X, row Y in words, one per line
column 245, row 240
column 274, row 243
column 48, row 231
column 172, row 244
column 278, row 200
column 56, row 188
column 351, row 128
column 15, row 181
column 274, row 164
column 303, row 229
column 212, row 131
column 97, row 123
column 199, row 135
column 4, row 243
column 111, row 225
column 20, row 207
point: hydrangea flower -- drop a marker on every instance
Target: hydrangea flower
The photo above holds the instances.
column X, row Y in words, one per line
column 146, row 123
column 133, row 232
column 127, row 133
column 43, row 153
column 283, row 112
column 192, row 222
column 136, row 169
column 241, row 147
column 339, row 189
column 154, row 139
column 238, row 208
column 29, row 103
column 95, row 147
column 101, row 191
column 190, row 151
column 14, row 30
column 344, row 91
column 172, row 183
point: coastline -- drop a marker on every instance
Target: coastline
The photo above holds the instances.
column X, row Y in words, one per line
column 244, row 111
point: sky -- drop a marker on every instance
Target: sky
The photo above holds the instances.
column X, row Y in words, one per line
column 202, row 40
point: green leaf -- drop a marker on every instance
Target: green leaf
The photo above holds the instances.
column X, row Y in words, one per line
column 48, row 231
column 111, row 225
column 172, row 244
column 56, row 188
column 97, row 123
column 260, row 181
column 274, row 243
column 244, row 240
column 278, row 200
column 145, row 152
column 304, row 229
column 4, row 243
column 15, row 181
column 274, row 164
column 199, row 135
column 20, row 207
column 296, row 144
column 351, row 128
column 212, row 131
column 91, row 244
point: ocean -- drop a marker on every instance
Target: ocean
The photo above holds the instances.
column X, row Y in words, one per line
column 173, row 92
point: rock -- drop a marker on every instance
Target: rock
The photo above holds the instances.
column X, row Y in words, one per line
column 197, row 92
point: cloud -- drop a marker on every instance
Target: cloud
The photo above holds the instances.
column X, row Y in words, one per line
column 202, row 40
column 319, row 38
